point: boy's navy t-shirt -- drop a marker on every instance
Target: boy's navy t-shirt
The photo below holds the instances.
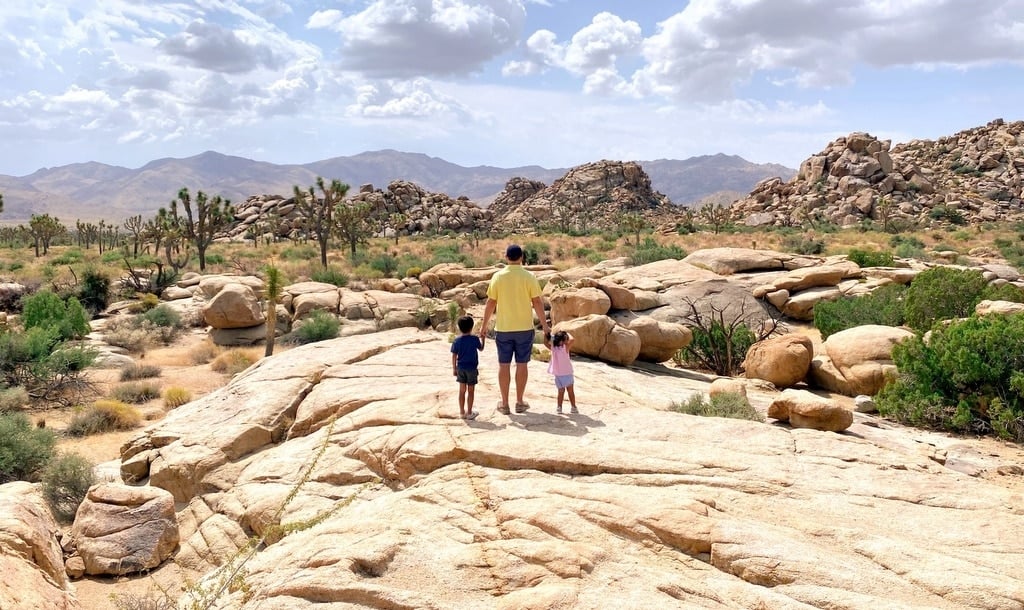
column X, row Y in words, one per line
column 468, row 348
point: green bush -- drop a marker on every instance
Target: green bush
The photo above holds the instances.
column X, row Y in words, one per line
column 65, row 482
column 37, row 361
column 214, row 258
column 727, row 404
column 969, row 377
column 70, row 257
column 94, row 294
column 45, row 309
column 942, row 293
column 450, row 253
column 111, row 256
column 164, row 316
column 330, row 275
column 385, row 263
column 650, row 251
column 176, row 396
column 943, row 212
column 869, row 258
column 1003, row 292
column 413, row 271
column 232, row 362
column 882, row 306
column 300, row 252
column 717, row 346
column 318, row 326
column 24, row 450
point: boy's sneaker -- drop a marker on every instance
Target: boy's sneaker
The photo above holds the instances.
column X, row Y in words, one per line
column 558, row 410
column 574, row 410
column 471, row 415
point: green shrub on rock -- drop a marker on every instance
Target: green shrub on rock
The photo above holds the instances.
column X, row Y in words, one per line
column 732, row 405
column 942, row 293
column 65, row 482
column 870, row 258
column 24, row 449
column 968, row 377
column 883, row 306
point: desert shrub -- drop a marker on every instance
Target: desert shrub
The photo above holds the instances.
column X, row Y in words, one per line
column 727, row 404
column 882, row 306
column 318, row 326
column 136, row 333
column 385, row 264
column 65, row 482
column 946, row 213
column 12, row 399
column 164, row 316
column 300, row 252
column 69, row 257
column 139, row 371
column 330, row 275
column 650, row 251
column 720, row 341
column 135, row 393
column 803, row 244
column 1003, row 292
column 45, row 309
column 24, row 449
column 175, row 396
column 214, row 258
column 146, row 302
column 968, row 377
column 232, row 362
column 449, row 253
column 111, row 256
column 151, row 600
column 870, row 258
column 104, row 416
column 942, row 293
column 413, row 271
column 1012, row 250
column 39, row 362
column 94, row 293
column 204, row 352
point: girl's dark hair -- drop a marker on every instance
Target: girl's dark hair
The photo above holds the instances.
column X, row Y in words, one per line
column 559, row 338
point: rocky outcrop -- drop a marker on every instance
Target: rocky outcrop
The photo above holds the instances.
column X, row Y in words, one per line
column 31, row 560
column 590, row 196
column 358, row 444
column 973, row 176
column 783, row 361
column 124, row 530
column 803, row 409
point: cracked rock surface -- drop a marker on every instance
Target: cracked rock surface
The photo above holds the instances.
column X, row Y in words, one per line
column 627, row 504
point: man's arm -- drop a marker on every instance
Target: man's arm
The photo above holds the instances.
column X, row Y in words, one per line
column 538, row 307
column 488, row 312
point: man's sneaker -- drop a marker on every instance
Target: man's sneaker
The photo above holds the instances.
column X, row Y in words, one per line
column 558, row 410
column 574, row 410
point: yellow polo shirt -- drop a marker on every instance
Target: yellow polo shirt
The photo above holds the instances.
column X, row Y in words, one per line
column 514, row 289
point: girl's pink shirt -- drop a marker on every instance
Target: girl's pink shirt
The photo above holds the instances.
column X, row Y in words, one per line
column 560, row 363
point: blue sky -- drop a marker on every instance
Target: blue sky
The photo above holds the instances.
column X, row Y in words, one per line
column 495, row 82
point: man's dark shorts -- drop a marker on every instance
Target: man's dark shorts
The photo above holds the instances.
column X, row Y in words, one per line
column 467, row 376
column 518, row 343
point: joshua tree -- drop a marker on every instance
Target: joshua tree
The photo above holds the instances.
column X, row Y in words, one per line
column 275, row 282
column 137, row 228
column 716, row 215
column 210, row 217
column 350, row 221
column 1, row 203
column 320, row 213
column 634, row 223
column 43, row 229
column 396, row 220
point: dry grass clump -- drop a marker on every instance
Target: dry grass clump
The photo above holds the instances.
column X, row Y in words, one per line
column 104, row 416
column 204, row 352
column 139, row 371
column 234, row 361
column 176, row 396
column 135, row 393
column 13, row 399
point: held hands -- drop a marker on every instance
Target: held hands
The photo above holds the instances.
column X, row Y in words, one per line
column 547, row 339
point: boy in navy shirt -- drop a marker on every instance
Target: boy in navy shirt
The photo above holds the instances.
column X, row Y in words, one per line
column 465, row 360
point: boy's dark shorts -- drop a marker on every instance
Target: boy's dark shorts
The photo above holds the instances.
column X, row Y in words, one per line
column 467, row 376
column 519, row 343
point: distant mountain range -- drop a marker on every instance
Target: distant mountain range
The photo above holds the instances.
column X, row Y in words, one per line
column 94, row 191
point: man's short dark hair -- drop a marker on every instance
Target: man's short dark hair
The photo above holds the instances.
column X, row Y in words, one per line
column 514, row 252
column 465, row 324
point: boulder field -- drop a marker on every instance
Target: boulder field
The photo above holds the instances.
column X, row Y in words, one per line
column 348, row 461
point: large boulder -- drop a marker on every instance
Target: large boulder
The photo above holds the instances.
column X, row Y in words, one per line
column 234, row 306
column 857, row 360
column 569, row 303
column 783, row 360
column 600, row 337
column 803, row 409
column 659, row 341
column 211, row 285
column 125, row 530
column 31, row 560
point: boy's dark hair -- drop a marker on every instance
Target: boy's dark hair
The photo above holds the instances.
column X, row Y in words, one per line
column 559, row 338
column 465, row 324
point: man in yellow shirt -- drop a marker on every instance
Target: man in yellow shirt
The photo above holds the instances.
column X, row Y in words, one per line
column 514, row 293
